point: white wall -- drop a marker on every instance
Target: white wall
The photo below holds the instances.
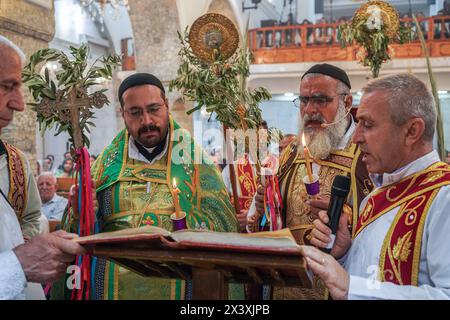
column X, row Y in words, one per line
column 118, row 24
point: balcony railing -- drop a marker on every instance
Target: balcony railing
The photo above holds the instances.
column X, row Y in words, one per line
column 319, row 42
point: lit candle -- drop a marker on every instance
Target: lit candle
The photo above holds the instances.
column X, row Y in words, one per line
column 307, row 159
column 176, row 201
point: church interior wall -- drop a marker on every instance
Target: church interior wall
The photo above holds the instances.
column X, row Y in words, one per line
column 72, row 30
column 31, row 26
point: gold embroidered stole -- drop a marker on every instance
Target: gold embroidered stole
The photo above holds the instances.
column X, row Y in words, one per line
column 246, row 181
column 400, row 254
column 340, row 162
column 17, row 195
column 297, row 213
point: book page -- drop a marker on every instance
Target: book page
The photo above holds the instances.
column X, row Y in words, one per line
column 277, row 240
column 131, row 233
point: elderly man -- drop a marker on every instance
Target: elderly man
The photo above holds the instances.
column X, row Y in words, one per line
column 324, row 103
column 19, row 186
column 135, row 177
column 399, row 248
column 45, row 257
column 53, row 205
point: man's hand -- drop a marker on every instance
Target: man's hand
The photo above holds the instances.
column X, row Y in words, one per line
column 259, row 199
column 251, row 220
column 242, row 218
column 320, row 236
column 45, row 258
column 73, row 196
column 329, row 270
column 319, row 203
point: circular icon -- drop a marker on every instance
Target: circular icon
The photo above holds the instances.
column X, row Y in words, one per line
column 213, row 36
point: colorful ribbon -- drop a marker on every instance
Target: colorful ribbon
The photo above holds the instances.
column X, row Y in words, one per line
column 86, row 220
column 272, row 204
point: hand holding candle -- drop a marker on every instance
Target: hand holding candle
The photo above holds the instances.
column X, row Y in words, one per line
column 311, row 181
column 307, row 159
column 176, row 201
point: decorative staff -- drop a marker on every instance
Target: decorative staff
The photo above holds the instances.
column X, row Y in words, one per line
column 63, row 100
column 439, row 125
column 212, row 73
column 374, row 26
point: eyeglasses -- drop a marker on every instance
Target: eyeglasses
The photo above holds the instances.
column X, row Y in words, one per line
column 319, row 101
column 138, row 113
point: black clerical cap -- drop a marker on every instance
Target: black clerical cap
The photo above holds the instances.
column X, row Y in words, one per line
column 330, row 70
column 139, row 79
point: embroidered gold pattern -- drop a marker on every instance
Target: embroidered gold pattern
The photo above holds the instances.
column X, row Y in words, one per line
column 402, row 248
column 432, row 177
column 17, row 181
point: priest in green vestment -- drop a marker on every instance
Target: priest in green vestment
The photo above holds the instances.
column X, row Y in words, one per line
column 134, row 178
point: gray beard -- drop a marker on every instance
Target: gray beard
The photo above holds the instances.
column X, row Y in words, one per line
column 322, row 141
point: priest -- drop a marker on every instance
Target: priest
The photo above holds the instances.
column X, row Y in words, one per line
column 324, row 102
column 43, row 258
column 399, row 247
column 17, row 184
column 136, row 176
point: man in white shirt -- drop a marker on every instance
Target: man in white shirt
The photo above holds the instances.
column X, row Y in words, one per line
column 53, row 205
column 44, row 258
column 399, row 248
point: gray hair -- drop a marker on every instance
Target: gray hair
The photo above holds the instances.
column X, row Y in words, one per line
column 408, row 98
column 5, row 42
column 48, row 174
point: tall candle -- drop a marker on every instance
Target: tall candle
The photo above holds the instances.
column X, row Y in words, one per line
column 307, row 159
column 176, row 201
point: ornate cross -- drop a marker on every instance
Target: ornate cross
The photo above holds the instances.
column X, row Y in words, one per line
column 72, row 109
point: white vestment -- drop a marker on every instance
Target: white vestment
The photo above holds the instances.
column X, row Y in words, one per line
column 362, row 259
column 13, row 283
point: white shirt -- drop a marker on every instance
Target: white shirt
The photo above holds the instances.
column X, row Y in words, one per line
column 362, row 259
column 54, row 209
column 133, row 152
column 32, row 212
column 13, row 284
column 12, row 278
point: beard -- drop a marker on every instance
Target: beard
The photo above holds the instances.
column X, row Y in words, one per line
column 321, row 141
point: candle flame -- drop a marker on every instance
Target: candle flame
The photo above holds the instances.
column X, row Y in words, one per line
column 303, row 139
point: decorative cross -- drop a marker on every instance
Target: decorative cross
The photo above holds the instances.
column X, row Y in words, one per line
column 72, row 109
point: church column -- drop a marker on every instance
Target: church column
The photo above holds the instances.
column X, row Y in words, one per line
column 155, row 24
column 31, row 25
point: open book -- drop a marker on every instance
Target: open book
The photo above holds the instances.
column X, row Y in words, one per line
column 276, row 242
column 272, row 258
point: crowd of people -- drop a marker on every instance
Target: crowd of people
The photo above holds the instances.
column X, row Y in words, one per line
column 394, row 222
column 65, row 170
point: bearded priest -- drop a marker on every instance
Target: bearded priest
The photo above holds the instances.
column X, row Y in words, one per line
column 327, row 124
